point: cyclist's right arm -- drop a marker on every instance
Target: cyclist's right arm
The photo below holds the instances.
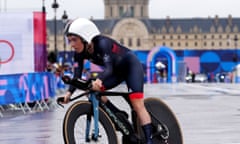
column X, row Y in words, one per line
column 77, row 72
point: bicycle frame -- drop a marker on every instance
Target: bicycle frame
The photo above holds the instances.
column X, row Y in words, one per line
column 163, row 119
column 94, row 97
column 95, row 104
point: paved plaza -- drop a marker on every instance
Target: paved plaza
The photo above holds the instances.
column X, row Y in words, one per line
column 207, row 113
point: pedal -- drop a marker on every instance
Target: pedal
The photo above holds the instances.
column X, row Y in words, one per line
column 162, row 131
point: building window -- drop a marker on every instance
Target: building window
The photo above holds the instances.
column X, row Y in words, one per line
column 186, row 36
column 130, row 42
column 121, row 11
column 131, row 11
column 220, row 36
column 122, row 41
column 228, row 43
column 138, row 42
column 235, row 36
column 171, row 44
column 228, row 36
column 142, row 10
column 195, row 36
column 205, row 37
column 205, row 44
column 164, row 44
column 213, row 44
column 179, row 37
column 212, row 36
column 196, row 44
column 179, row 44
column 220, row 43
column 111, row 11
column 171, row 37
column 186, row 44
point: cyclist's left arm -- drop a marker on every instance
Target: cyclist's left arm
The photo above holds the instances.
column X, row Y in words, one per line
column 104, row 49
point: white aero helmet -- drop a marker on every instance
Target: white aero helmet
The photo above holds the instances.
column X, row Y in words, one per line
column 84, row 28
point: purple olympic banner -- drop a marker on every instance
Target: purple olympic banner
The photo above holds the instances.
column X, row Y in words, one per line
column 26, row 87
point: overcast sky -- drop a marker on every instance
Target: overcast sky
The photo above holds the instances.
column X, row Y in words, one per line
column 157, row 8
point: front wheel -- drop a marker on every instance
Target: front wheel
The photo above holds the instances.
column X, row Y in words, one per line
column 162, row 115
column 74, row 125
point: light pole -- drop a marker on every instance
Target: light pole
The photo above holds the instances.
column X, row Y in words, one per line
column 55, row 6
column 43, row 6
column 44, row 34
column 236, row 54
column 237, row 79
column 65, row 20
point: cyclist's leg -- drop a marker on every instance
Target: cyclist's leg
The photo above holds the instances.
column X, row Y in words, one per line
column 144, row 117
column 166, row 128
column 135, row 82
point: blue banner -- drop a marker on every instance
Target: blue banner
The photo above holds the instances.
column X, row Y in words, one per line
column 26, row 87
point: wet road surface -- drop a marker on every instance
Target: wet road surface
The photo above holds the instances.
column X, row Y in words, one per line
column 207, row 113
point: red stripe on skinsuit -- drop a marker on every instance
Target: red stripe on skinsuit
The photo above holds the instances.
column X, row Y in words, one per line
column 136, row 95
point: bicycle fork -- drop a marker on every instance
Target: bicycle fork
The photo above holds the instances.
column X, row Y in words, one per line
column 95, row 104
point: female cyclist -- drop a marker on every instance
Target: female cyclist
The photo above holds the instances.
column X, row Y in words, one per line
column 119, row 64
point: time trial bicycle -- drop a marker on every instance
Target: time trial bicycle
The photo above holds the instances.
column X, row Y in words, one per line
column 91, row 121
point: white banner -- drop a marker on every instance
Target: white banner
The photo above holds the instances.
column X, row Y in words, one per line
column 16, row 43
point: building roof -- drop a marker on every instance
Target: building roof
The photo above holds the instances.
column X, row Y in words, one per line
column 156, row 25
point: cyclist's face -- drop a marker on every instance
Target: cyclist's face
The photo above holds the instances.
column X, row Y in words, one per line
column 76, row 43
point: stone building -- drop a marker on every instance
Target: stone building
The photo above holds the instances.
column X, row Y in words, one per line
column 130, row 24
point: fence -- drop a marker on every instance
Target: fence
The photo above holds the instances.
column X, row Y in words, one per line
column 22, row 89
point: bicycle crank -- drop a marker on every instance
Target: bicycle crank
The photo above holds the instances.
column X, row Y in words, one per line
column 162, row 131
